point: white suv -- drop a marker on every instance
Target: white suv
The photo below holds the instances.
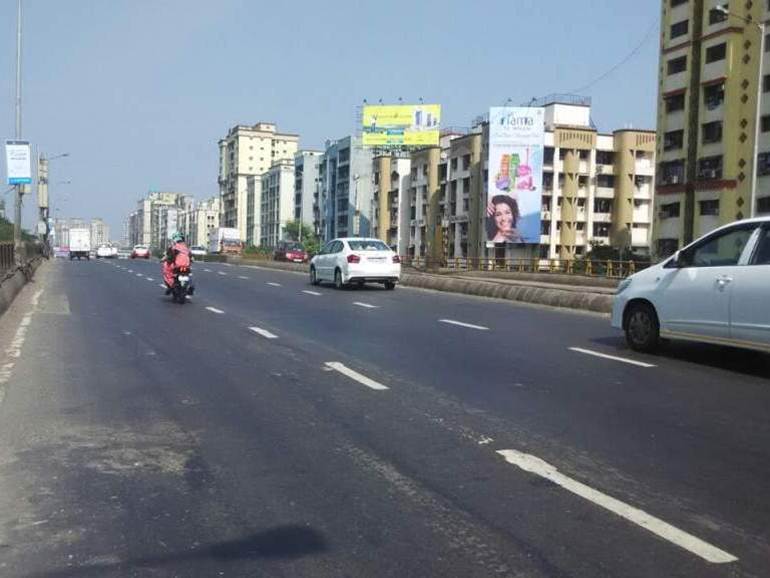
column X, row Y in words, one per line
column 716, row 290
column 355, row 260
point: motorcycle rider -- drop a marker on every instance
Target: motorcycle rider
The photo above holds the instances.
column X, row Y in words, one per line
column 177, row 256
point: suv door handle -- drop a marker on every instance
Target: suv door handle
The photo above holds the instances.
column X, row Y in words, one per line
column 724, row 280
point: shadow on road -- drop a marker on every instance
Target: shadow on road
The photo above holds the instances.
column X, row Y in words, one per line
column 743, row 361
column 281, row 542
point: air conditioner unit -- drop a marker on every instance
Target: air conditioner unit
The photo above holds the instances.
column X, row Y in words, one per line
column 673, row 180
column 708, row 174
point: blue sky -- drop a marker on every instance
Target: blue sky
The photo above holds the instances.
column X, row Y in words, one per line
column 139, row 91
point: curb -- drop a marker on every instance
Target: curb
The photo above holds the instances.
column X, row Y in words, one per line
column 11, row 285
column 574, row 298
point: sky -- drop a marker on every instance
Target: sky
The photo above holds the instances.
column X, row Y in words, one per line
column 138, row 92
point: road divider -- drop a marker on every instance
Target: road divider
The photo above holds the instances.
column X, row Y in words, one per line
column 354, row 375
column 539, row 467
column 611, row 357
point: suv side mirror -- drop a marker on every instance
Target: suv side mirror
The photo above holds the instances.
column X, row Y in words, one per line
column 678, row 261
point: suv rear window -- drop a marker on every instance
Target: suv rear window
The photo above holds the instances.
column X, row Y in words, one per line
column 372, row 245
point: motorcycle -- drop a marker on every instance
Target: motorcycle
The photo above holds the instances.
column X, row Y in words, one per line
column 182, row 285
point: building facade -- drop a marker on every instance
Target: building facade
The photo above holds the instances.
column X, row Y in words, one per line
column 277, row 201
column 709, row 79
column 248, row 151
column 390, row 179
column 203, row 217
column 100, row 232
column 157, row 216
column 305, row 185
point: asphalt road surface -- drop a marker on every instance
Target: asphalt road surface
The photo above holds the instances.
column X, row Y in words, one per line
column 273, row 428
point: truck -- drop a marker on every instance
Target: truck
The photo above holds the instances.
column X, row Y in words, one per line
column 80, row 244
column 225, row 241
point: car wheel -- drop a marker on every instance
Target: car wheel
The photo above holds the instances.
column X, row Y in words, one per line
column 338, row 279
column 390, row 285
column 313, row 277
column 642, row 328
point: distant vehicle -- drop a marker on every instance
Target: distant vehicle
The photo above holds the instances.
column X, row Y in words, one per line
column 290, row 251
column 140, row 252
column 61, row 252
column 357, row 261
column 105, row 251
column 225, row 240
column 124, row 253
column 714, row 290
column 198, row 251
column 80, row 244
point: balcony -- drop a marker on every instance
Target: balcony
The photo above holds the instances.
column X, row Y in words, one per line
column 605, row 193
column 602, row 217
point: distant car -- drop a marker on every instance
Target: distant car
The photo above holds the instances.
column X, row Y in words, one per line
column 714, row 290
column 292, row 251
column 140, row 252
column 198, row 251
column 124, row 253
column 105, row 251
column 358, row 261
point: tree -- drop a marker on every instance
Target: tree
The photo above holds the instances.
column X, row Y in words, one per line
column 293, row 229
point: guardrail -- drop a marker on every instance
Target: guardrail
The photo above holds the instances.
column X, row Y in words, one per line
column 585, row 267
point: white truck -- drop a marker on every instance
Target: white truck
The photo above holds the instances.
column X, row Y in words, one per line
column 80, row 244
column 225, row 240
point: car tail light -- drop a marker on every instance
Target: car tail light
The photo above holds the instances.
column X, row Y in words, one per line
column 288, row 255
column 354, row 259
column 396, row 259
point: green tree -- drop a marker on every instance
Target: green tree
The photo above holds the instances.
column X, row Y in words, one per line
column 293, row 229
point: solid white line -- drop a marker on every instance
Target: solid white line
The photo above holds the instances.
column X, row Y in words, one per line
column 215, row 310
column 362, row 379
column 461, row 324
column 366, row 305
column 535, row 465
column 311, row 292
column 275, row 284
column 263, row 332
column 612, row 357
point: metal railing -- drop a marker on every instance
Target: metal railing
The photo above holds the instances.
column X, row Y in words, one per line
column 585, row 267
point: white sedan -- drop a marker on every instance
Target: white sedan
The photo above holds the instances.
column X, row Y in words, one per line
column 106, row 252
column 357, row 261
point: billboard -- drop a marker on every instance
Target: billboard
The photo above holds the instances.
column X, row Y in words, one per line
column 18, row 162
column 515, row 182
column 410, row 125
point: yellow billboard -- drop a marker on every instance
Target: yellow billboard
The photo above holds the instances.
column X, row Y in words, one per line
column 415, row 125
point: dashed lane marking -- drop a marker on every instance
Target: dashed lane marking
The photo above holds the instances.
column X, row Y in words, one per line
column 263, row 332
column 611, row 357
column 311, row 292
column 461, row 324
column 215, row 310
column 354, row 375
column 366, row 305
column 243, row 277
column 274, row 284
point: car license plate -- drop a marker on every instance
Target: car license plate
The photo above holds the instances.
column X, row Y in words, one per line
column 298, row 260
column 377, row 259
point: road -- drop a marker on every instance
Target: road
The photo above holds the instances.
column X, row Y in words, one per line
column 272, row 428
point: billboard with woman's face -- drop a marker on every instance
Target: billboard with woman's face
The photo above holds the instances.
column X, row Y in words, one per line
column 515, row 185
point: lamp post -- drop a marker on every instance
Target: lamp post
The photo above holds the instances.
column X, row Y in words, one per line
column 19, row 188
column 754, row 164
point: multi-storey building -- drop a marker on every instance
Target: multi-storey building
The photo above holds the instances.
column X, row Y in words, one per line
column 597, row 190
column 277, row 202
column 709, row 79
column 305, row 185
column 202, row 219
column 390, row 178
column 100, row 232
column 149, row 224
column 343, row 204
column 248, row 151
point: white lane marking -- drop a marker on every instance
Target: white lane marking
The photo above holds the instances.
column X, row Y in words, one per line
column 274, row 284
column 461, row 324
column 36, row 297
column 221, row 273
column 130, row 271
column 163, row 285
column 612, row 357
column 243, row 277
column 263, row 332
column 535, row 465
column 362, row 379
column 365, row 305
column 311, row 292
column 207, row 270
column 150, row 279
column 215, row 310
column 139, row 275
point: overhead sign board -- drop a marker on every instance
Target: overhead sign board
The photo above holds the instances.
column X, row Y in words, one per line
column 18, row 162
column 408, row 125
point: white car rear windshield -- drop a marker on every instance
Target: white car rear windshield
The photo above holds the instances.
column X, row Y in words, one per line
column 373, row 245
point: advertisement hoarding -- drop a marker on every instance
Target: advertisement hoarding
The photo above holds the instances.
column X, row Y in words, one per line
column 410, row 125
column 515, row 185
column 18, row 162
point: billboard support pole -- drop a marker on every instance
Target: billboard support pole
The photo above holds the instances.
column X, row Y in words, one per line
column 19, row 188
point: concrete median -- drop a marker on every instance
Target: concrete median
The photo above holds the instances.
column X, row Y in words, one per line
column 13, row 281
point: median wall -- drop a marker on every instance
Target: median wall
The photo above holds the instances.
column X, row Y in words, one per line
column 13, row 280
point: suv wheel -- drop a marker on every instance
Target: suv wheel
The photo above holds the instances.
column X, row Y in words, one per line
column 313, row 277
column 338, row 279
column 642, row 328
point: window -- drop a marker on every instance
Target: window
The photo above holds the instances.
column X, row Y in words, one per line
column 765, row 123
column 548, row 155
column 679, row 29
column 721, row 250
column 673, row 140
column 712, row 132
column 667, row 247
column 671, row 173
column 466, row 162
column 762, row 254
column 766, row 83
column 602, row 205
column 710, row 208
column 605, row 157
column 674, row 102
column 763, row 205
column 717, row 52
column 601, row 229
column 710, row 168
column 675, row 3
column 605, row 181
column 714, row 95
column 717, row 16
column 669, row 211
column 763, row 164
column 676, row 65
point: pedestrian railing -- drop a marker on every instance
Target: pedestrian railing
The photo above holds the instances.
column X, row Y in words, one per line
column 586, row 267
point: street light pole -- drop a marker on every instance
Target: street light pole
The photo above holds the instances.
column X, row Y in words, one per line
column 19, row 188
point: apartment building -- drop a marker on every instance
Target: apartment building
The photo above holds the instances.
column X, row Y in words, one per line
column 305, row 185
column 202, row 218
column 277, row 201
column 390, row 179
column 597, row 189
column 150, row 223
column 345, row 190
column 100, row 232
column 709, row 79
column 248, row 151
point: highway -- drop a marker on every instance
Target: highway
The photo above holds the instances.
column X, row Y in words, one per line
column 273, row 428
